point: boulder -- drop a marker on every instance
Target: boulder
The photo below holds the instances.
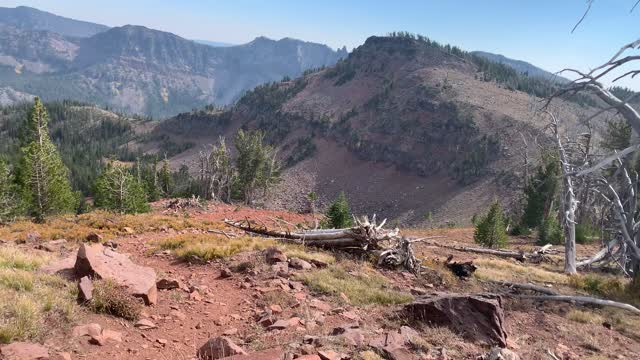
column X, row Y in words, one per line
column 52, row 246
column 477, row 317
column 502, row 354
column 104, row 263
column 85, row 289
column 274, row 255
column 87, row 330
column 271, row 354
column 94, row 237
column 218, row 348
column 23, row 351
column 299, row 264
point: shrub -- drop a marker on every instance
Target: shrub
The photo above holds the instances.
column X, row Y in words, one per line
column 109, row 298
column 550, row 231
column 339, row 214
column 586, row 233
column 490, row 230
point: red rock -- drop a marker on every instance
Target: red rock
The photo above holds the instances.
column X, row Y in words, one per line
column 64, row 356
column 230, row 332
column 104, row 263
column 60, row 266
column 178, row 314
column 106, row 336
column 94, row 237
column 274, row 255
column 85, row 289
column 145, row 324
column 299, row 264
column 477, row 317
column 329, row 355
column 279, row 325
column 309, row 357
column 275, row 308
column 23, row 351
column 320, row 305
column 88, row 329
column 271, row 354
column 195, row 296
column 218, row 348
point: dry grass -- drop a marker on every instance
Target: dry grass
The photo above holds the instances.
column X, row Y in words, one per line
column 503, row 270
column 584, row 317
column 207, row 247
column 306, row 253
column 31, row 303
column 108, row 298
column 362, row 285
column 369, row 355
column 76, row 228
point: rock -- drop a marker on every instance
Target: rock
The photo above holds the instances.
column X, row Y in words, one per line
column 51, row 246
column 106, row 336
column 87, row 330
column 33, row 237
column 128, row 230
column 299, row 264
column 94, row 237
column 195, row 296
column 145, row 324
column 319, row 263
column 178, row 314
column 329, row 355
column 23, row 351
column 111, row 244
column 281, row 269
column 168, row 284
column 104, row 263
column 309, row 357
column 85, row 289
column 279, row 325
column 276, row 309
column 65, row 265
column 64, row 356
column 502, row 354
column 349, row 335
column 409, row 334
column 477, row 317
column 230, row 332
column 271, row 354
column 564, row 352
column 274, row 255
column 218, row 348
column 320, row 305
column 225, row 273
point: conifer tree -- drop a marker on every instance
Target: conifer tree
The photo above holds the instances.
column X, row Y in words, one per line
column 165, row 179
column 339, row 215
column 9, row 202
column 491, row 230
column 256, row 164
column 118, row 190
column 42, row 176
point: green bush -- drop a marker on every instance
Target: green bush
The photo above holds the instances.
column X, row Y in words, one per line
column 550, row 231
column 586, row 233
column 491, row 230
column 339, row 215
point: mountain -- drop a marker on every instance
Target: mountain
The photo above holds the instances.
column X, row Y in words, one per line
column 139, row 70
column 407, row 128
column 26, row 18
column 214, row 43
column 521, row 66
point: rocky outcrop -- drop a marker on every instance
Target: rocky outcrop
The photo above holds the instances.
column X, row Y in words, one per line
column 218, row 348
column 97, row 261
column 23, row 351
column 477, row 317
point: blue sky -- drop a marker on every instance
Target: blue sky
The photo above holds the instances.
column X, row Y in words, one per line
column 537, row 31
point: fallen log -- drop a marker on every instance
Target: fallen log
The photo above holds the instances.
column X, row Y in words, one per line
column 580, row 299
column 535, row 256
column 599, row 256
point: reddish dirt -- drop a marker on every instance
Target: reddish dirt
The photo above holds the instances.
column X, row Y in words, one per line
column 236, row 302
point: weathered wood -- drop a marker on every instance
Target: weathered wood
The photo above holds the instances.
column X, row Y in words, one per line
column 580, row 299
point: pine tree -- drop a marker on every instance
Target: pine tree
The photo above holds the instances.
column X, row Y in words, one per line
column 42, row 176
column 540, row 192
column 256, row 164
column 118, row 190
column 339, row 215
column 165, row 179
column 491, row 230
column 9, row 202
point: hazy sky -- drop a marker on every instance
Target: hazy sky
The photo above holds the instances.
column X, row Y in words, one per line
column 537, row 31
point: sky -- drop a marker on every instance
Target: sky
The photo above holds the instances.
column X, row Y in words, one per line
column 537, row 31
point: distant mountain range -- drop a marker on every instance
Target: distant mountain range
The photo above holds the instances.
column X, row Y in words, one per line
column 139, row 70
column 521, row 66
column 214, row 43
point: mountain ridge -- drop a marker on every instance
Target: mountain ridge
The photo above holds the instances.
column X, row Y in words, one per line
column 28, row 18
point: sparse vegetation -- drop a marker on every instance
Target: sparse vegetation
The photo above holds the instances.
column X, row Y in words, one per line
column 584, row 317
column 31, row 303
column 111, row 299
column 361, row 287
column 208, row 247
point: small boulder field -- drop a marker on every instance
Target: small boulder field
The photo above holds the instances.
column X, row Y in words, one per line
column 184, row 284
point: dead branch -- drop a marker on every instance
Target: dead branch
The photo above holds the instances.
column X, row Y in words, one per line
column 581, row 300
column 530, row 287
column 535, row 256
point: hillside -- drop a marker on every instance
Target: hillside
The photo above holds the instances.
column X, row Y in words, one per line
column 521, row 66
column 408, row 128
column 138, row 70
column 27, row 18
